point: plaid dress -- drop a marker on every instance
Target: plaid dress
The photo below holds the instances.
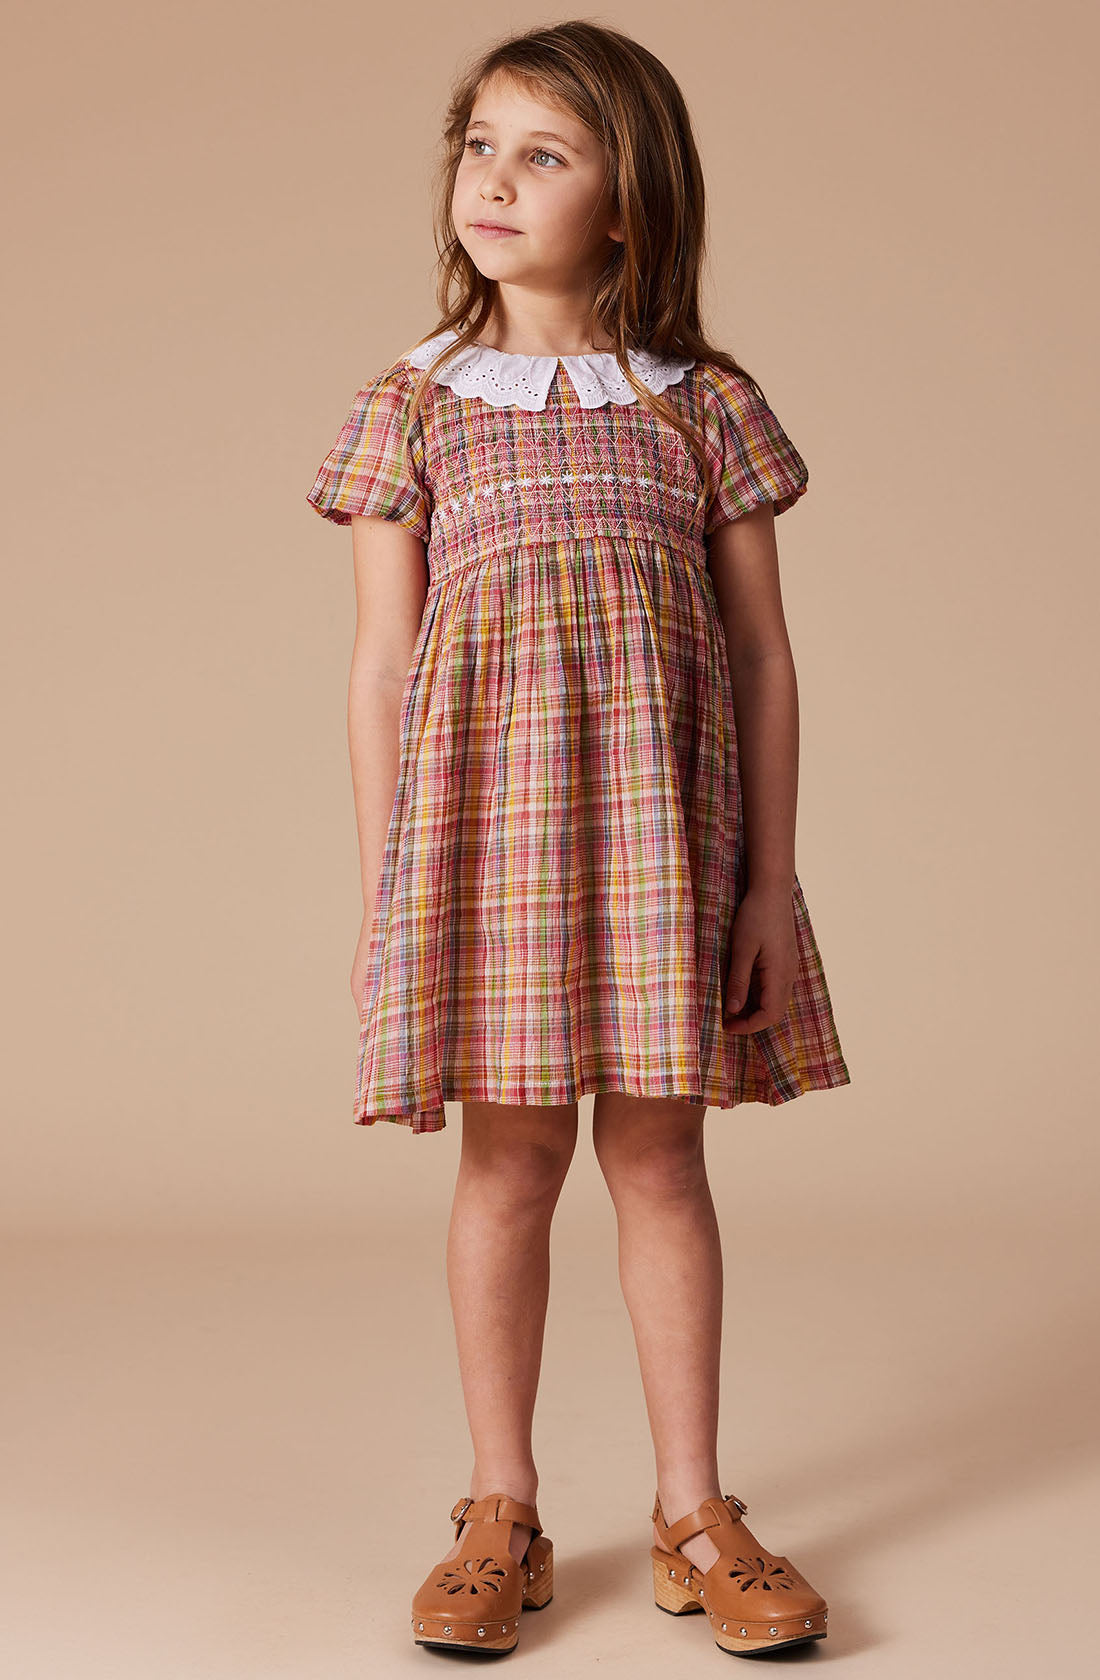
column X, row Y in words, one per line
column 565, row 853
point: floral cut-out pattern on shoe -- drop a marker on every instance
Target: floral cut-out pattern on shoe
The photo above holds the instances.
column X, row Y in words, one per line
column 754, row 1572
column 473, row 1575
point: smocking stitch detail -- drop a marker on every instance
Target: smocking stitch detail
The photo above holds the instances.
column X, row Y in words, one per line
column 487, row 491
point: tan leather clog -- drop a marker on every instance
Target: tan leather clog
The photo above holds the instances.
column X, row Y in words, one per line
column 474, row 1599
column 755, row 1600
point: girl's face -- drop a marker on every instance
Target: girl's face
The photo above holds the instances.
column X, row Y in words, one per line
column 538, row 170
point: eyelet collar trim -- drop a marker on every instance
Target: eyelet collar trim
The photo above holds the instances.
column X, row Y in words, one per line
column 513, row 381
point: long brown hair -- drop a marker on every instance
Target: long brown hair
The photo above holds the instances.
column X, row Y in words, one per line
column 647, row 295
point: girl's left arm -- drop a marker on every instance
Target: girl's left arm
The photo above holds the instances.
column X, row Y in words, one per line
column 743, row 562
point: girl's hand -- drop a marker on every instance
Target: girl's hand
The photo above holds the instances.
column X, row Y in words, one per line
column 359, row 966
column 764, row 936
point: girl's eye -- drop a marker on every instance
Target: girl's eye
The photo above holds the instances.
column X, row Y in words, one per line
column 476, row 140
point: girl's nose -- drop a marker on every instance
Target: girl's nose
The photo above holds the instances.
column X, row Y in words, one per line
column 495, row 185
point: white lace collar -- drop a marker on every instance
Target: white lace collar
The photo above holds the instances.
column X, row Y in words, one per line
column 513, row 381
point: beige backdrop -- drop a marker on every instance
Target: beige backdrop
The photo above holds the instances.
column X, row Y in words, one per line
column 233, row 1413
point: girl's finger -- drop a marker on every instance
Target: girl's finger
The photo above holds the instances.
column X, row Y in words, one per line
column 739, row 982
column 764, row 1016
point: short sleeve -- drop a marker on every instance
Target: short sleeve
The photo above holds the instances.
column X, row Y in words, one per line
column 752, row 459
column 372, row 468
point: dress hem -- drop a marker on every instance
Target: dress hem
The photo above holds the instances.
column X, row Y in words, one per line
column 771, row 1096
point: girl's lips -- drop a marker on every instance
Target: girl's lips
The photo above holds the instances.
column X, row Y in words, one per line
column 488, row 231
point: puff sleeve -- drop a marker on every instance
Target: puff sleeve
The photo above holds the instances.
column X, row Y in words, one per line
column 752, row 460
column 372, row 468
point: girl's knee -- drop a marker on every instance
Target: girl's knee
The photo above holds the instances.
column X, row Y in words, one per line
column 527, row 1148
column 652, row 1145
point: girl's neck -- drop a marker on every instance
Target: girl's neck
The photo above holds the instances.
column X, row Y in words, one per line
column 492, row 336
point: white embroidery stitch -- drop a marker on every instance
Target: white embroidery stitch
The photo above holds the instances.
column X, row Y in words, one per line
column 512, row 381
column 448, row 504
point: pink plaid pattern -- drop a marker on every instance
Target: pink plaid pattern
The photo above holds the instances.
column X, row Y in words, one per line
column 565, row 850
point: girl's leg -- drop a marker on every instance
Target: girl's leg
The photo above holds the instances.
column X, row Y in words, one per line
column 650, row 1150
column 512, row 1165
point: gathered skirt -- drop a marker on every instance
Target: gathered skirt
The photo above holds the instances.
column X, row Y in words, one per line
column 565, row 851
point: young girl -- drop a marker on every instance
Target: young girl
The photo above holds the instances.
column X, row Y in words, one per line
column 573, row 727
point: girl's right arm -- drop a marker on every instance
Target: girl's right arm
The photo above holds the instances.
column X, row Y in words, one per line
column 391, row 583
